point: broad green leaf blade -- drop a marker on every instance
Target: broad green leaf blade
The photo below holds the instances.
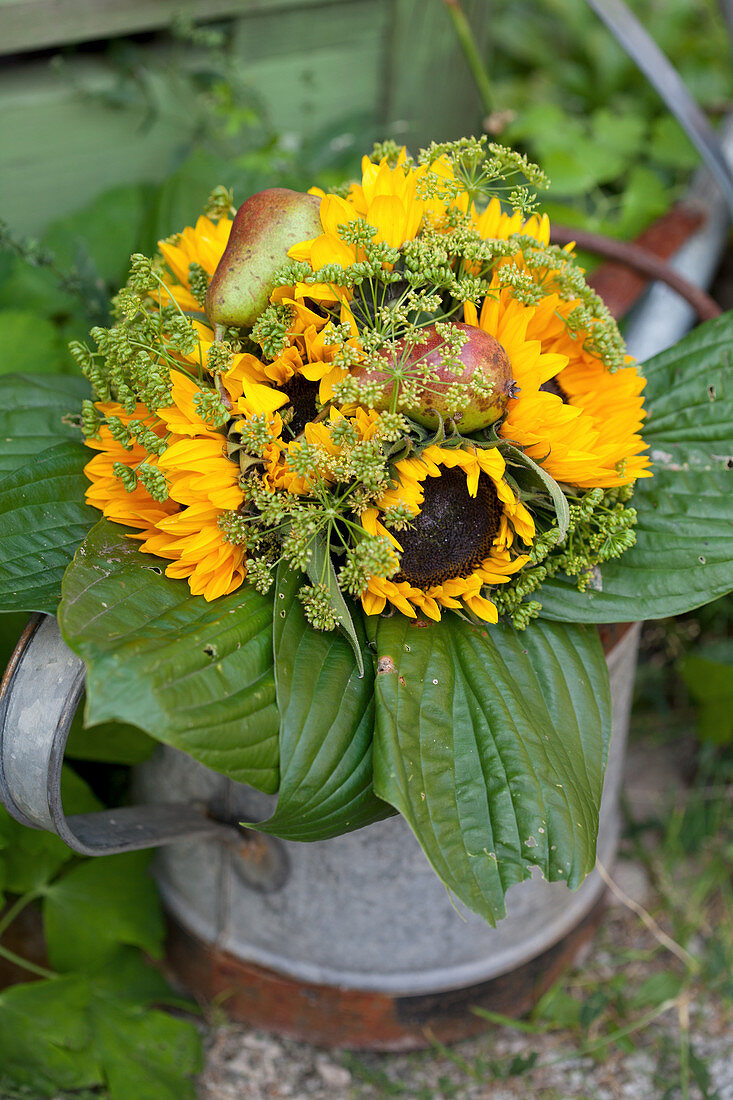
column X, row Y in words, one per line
column 99, row 905
column 43, row 519
column 35, row 412
column 321, row 571
column 683, row 556
column 108, row 743
column 689, row 391
column 195, row 675
column 492, row 744
column 326, row 729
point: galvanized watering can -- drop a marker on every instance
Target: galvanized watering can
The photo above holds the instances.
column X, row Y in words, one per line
column 318, row 940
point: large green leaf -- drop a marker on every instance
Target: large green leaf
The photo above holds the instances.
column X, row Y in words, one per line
column 98, row 905
column 35, row 412
column 683, row 555
column 193, row 674
column 326, row 728
column 492, row 744
column 43, row 519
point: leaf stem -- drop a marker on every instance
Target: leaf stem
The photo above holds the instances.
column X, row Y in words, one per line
column 16, row 909
column 26, row 964
column 468, row 44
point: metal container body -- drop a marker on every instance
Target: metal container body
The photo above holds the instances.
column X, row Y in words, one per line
column 364, row 911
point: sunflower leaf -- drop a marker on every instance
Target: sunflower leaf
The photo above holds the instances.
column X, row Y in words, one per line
column 683, row 556
column 516, row 457
column 43, row 518
column 195, row 675
column 327, row 725
column 321, row 571
column 492, row 744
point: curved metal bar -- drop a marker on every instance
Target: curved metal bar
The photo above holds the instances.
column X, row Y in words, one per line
column 660, row 72
column 39, row 695
column 639, row 259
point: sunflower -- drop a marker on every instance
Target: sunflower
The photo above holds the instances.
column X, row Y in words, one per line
column 124, row 503
column 466, row 523
column 387, row 198
column 571, row 414
column 194, row 540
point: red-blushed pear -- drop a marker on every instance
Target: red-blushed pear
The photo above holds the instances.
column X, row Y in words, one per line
column 265, row 227
column 486, row 377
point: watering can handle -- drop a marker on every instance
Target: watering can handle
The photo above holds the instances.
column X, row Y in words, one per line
column 39, row 695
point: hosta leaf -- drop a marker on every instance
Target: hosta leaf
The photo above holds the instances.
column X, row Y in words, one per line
column 492, row 744
column 35, row 413
column 193, row 674
column 326, row 727
column 43, row 519
column 683, row 555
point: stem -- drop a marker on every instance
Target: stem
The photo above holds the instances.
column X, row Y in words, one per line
column 468, row 44
column 16, row 909
column 26, row 964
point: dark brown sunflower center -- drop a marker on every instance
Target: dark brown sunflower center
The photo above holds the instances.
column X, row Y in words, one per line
column 454, row 531
column 553, row 386
column 302, row 397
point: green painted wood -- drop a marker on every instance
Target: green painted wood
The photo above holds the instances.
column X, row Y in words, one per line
column 44, row 24
column 313, row 68
column 430, row 94
column 367, row 68
column 59, row 149
column 318, row 67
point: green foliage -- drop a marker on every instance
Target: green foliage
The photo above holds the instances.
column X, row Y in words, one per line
column 193, row 674
column 492, row 745
column 615, row 157
column 90, row 1023
column 326, row 726
column 682, row 557
column 708, row 674
column 87, row 914
column 31, row 343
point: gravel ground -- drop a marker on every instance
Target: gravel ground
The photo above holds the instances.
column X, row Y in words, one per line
column 251, row 1065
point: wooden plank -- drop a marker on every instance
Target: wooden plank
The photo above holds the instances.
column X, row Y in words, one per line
column 430, row 94
column 319, row 67
column 59, row 149
column 44, row 24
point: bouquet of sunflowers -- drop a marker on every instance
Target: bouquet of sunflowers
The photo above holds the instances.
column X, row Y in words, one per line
column 366, row 461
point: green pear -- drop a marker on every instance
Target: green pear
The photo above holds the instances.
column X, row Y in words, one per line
column 265, row 227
